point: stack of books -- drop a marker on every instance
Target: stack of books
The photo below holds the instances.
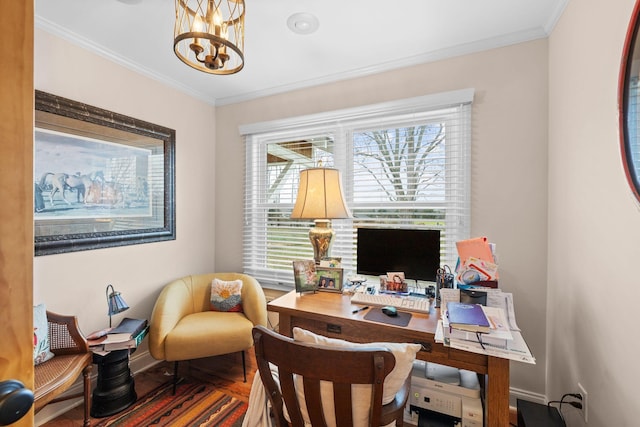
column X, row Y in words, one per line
column 468, row 321
column 488, row 329
column 127, row 335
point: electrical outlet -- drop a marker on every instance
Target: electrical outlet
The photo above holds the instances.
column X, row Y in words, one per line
column 583, row 393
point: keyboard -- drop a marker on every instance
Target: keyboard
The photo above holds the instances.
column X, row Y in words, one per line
column 407, row 303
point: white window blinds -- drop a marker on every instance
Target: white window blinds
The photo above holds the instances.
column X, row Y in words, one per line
column 404, row 164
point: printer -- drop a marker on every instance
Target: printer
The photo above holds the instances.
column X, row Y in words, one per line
column 443, row 396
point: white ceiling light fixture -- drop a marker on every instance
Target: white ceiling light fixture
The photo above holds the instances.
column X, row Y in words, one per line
column 209, row 35
column 303, row 23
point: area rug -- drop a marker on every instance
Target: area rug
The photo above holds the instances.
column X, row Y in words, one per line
column 192, row 405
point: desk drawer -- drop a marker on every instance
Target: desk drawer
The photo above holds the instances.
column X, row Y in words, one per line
column 361, row 332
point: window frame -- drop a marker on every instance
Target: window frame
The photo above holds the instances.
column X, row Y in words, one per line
column 258, row 135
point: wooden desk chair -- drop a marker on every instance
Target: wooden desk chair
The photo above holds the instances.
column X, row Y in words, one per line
column 72, row 358
column 343, row 367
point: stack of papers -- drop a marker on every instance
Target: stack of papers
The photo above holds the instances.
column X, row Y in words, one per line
column 503, row 339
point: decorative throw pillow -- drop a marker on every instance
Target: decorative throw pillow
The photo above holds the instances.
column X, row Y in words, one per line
column 226, row 295
column 41, row 348
column 404, row 353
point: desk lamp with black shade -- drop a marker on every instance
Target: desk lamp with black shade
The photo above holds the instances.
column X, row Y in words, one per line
column 115, row 302
column 320, row 197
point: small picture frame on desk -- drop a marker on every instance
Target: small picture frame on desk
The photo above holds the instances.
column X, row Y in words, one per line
column 329, row 279
column 305, row 276
column 395, row 283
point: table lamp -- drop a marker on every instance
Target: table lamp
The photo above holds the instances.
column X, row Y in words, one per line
column 115, row 302
column 320, row 198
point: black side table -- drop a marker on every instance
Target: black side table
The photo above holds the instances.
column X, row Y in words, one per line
column 115, row 390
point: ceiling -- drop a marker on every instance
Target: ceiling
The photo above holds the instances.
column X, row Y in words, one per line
column 354, row 38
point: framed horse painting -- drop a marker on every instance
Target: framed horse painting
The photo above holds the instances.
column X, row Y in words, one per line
column 101, row 179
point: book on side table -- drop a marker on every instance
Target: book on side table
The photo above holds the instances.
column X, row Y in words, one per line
column 129, row 326
column 124, row 340
column 128, row 334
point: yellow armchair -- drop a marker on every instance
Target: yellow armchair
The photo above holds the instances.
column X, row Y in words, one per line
column 183, row 327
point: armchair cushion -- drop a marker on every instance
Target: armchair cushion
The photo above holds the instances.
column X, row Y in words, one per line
column 226, row 295
column 192, row 336
column 41, row 348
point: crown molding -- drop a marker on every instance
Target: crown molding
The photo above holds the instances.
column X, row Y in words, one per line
column 437, row 55
column 89, row 45
column 433, row 56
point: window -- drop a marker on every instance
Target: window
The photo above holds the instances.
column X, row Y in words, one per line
column 404, row 164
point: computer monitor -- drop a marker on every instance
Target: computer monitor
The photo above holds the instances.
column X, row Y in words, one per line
column 412, row 251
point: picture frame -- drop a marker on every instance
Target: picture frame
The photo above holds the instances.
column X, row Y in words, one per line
column 101, row 179
column 395, row 283
column 329, row 279
column 305, row 275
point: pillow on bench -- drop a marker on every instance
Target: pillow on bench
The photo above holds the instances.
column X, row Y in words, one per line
column 41, row 348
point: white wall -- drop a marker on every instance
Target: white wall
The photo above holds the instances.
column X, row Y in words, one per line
column 75, row 282
column 593, row 219
column 509, row 166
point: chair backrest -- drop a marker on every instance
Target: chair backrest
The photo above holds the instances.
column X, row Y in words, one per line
column 64, row 335
column 314, row 363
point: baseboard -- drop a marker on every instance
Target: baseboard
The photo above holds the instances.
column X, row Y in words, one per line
column 516, row 393
column 140, row 361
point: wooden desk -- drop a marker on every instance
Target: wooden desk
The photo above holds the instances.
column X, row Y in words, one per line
column 330, row 314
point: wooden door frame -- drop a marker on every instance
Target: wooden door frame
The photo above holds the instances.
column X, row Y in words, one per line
column 16, row 191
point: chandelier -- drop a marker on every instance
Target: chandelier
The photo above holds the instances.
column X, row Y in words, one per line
column 209, row 35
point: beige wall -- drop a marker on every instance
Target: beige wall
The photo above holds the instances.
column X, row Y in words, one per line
column 509, row 166
column 593, row 218
column 76, row 282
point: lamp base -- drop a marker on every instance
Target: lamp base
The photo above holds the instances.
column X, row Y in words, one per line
column 321, row 236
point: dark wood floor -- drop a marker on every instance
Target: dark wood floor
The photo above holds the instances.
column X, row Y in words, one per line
column 225, row 372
